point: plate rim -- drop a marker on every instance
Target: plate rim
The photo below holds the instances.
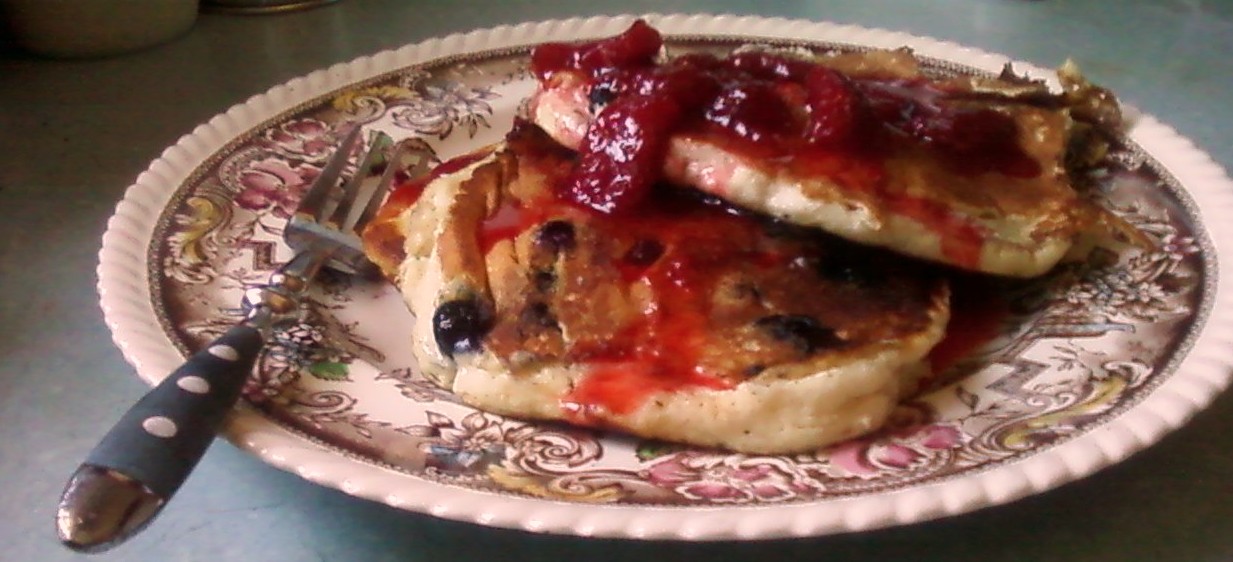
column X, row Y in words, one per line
column 125, row 299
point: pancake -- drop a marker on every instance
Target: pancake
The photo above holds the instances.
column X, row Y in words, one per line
column 972, row 172
column 692, row 320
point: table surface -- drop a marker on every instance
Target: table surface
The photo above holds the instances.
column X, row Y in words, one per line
column 74, row 134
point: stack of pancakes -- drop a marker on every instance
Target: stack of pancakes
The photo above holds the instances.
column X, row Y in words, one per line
column 745, row 305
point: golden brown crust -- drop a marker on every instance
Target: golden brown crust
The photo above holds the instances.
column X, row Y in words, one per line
column 878, row 63
column 457, row 244
column 990, row 198
column 383, row 244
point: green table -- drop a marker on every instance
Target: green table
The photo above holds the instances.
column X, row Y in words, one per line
column 74, row 134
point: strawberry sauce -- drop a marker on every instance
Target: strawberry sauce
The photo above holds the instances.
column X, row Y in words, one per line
column 771, row 108
column 978, row 309
column 675, row 246
column 406, row 192
column 671, row 247
column 677, row 252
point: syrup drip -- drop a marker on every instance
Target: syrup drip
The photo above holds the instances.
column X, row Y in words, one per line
column 660, row 352
column 406, row 192
column 978, row 309
column 672, row 247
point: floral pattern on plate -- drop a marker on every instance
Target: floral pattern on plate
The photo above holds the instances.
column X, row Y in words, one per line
column 1083, row 343
column 1077, row 350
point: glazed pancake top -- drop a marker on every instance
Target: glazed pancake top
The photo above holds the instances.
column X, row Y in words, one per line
column 968, row 171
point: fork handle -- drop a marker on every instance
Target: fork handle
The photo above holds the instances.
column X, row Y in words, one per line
column 149, row 453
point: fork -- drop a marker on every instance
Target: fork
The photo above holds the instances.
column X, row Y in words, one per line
column 141, row 462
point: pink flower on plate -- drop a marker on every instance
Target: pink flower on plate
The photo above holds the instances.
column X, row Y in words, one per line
column 898, row 451
column 730, row 478
column 309, row 140
column 271, row 184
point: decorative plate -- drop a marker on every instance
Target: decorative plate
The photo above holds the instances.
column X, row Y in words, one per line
column 1095, row 362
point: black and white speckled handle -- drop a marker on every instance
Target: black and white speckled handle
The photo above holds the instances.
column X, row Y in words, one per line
column 158, row 442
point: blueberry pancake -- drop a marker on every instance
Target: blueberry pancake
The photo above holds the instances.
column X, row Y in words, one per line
column 971, row 172
column 684, row 318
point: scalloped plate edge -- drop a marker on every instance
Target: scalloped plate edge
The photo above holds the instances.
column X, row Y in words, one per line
column 128, row 312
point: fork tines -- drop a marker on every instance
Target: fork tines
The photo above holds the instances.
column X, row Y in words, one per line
column 335, row 208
